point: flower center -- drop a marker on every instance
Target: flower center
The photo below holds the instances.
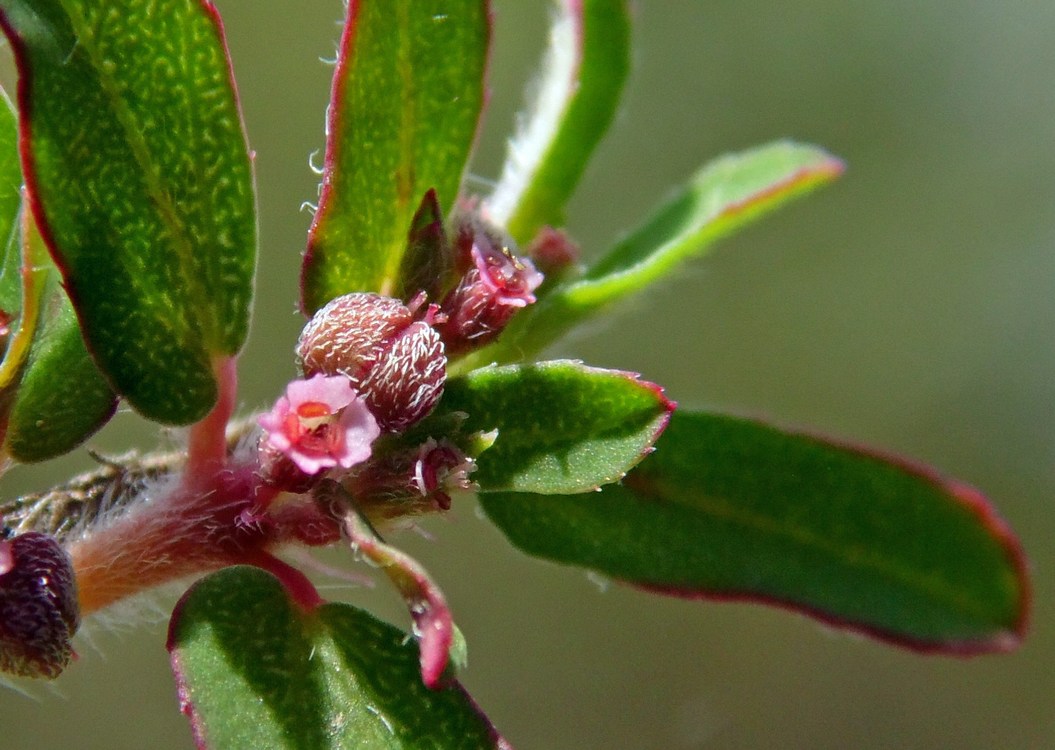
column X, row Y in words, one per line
column 310, row 427
column 314, row 413
column 511, row 278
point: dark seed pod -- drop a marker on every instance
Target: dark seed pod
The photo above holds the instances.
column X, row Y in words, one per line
column 395, row 361
column 38, row 606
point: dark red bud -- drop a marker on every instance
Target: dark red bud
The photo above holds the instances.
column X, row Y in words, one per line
column 428, row 263
column 553, row 252
column 395, row 361
column 442, row 468
column 38, row 606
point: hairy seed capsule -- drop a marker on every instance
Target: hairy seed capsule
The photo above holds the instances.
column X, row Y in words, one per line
column 38, row 606
column 395, row 360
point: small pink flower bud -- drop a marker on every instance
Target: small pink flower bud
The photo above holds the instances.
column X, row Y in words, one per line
column 38, row 606
column 442, row 468
column 393, row 359
column 495, row 284
column 553, row 252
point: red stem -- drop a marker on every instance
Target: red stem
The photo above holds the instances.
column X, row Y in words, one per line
column 207, row 445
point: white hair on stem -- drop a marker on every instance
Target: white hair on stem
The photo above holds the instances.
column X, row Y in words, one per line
column 549, row 96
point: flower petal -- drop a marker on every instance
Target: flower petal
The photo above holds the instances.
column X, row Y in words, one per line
column 360, row 431
column 335, row 391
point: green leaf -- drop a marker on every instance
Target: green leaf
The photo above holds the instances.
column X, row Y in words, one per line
column 139, row 170
column 10, row 206
column 62, row 398
column 583, row 76
column 729, row 507
column 254, row 671
column 39, row 419
column 406, row 100
column 721, row 198
column 562, row 427
column 44, row 421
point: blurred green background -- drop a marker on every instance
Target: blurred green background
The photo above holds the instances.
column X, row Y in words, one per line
column 911, row 306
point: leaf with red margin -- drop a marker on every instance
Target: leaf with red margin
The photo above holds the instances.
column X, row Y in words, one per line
column 39, row 420
column 141, row 183
column 561, row 426
column 10, row 207
column 256, row 671
column 46, row 421
column 406, row 102
column 729, row 507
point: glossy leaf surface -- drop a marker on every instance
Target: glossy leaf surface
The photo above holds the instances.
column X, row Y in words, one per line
column 255, row 671
column 140, row 175
column 562, row 427
column 729, row 507
column 406, row 99
column 583, row 76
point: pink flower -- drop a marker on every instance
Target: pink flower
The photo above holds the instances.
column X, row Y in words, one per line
column 441, row 467
column 495, row 284
column 320, row 423
column 510, row 279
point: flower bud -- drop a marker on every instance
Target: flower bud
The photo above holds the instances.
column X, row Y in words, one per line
column 411, row 481
column 494, row 285
column 554, row 253
column 38, row 606
column 395, row 360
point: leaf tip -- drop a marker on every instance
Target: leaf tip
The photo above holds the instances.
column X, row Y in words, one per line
column 806, row 178
column 1006, row 636
column 666, row 405
column 1000, row 530
column 828, row 168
